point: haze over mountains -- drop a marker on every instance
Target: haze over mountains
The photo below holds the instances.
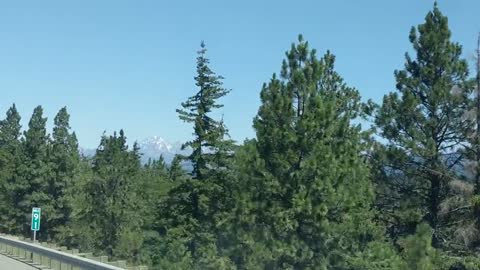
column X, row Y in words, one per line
column 150, row 148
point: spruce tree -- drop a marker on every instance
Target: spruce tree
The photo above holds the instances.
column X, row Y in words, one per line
column 9, row 162
column 423, row 123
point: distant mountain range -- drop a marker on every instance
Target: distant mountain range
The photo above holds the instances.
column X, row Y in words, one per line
column 150, row 148
column 154, row 147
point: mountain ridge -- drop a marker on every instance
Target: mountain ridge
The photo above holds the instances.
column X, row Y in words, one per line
column 151, row 148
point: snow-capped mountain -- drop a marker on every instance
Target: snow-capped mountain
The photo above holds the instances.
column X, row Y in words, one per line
column 154, row 147
column 150, row 148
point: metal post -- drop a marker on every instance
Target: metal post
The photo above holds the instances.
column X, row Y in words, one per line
column 34, row 236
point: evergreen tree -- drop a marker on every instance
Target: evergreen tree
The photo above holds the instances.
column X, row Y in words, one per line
column 110, row 200
column 154, row 185
column 77, row 233
column 159, row 168
column 419, row 253
column 64, row 158
column 175, row 171
column 32, row 182
column 423, row 123
column 9, row 162
column 305, row 195
column 209, row 147
column 190, row 214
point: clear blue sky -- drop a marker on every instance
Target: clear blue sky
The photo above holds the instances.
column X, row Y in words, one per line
column 129, row 64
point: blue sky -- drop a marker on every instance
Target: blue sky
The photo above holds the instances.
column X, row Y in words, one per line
column 129, row 64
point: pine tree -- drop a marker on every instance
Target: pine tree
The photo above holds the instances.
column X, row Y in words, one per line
column 110, row 200
column 305, row 195
column 419, row 253
column 78, row 233
column 9, row 162
column 64, row 158
column 34, row 172
column 423, row 123
column 154, row 185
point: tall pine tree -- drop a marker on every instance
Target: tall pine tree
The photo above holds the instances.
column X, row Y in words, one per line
column 34, row 172
column 423, row 123
column 305, row 195
column 64, row 157
column 9, row 162
column 110, row 203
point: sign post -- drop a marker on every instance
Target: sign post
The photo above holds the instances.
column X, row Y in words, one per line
column 36, row 214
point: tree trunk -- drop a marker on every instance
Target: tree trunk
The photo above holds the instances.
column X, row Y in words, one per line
column 434, row 203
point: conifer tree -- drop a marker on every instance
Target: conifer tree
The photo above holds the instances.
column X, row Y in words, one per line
column 34, row 172
column 419, row 253
column 175, row 171
column 423, row 122
column 154, row 184
column 209, row 147
column 189, row 216
column 110, row 204
column 9, row 162
column 305, row 195
column 64, row 158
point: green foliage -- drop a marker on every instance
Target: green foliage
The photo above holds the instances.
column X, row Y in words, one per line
column 305, row 194
column 152, row 186
column 129, row 244
column 378, row 256
column 210, row 149
column 418, row 251
column 189, row 216
column 423, row 122
column 30, row 185
column 175, row 254
column 300, row 195
column 64, row 158
column 76, row 233
column 110, row 202
column 9, row 162
column 175, row 171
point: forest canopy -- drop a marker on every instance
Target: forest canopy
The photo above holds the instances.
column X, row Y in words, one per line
column 313, row 189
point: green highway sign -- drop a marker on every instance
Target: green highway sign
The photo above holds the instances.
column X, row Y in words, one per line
column 36, row 213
